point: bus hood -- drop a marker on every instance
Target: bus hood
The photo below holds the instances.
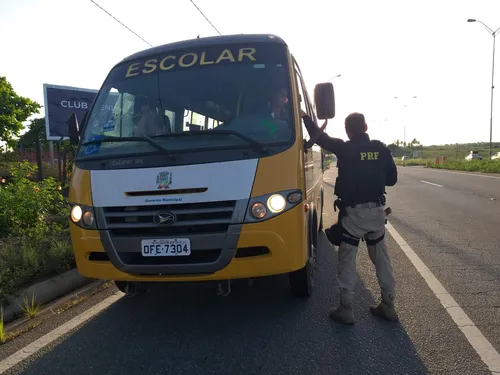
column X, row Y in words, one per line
column 209, row 182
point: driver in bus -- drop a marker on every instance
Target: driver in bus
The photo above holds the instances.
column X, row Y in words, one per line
column 151, row 122
column 278, row 103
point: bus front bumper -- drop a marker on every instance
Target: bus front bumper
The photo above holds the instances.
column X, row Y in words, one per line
column 247, row 250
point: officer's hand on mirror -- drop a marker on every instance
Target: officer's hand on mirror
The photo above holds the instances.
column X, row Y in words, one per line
column 302, row 113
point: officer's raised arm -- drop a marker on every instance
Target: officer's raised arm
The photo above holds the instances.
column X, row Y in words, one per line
column 392, row 172
column 328, row 143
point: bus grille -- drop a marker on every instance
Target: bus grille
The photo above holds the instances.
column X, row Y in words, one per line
column 191, row 218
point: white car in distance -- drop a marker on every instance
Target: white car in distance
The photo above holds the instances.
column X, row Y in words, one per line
column 474, row 155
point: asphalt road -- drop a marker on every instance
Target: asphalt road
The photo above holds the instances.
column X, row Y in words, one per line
column 455, row 230
column 262, row 330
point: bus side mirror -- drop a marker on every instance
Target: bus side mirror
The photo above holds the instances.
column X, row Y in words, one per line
column 324, row 98
column 73, row 131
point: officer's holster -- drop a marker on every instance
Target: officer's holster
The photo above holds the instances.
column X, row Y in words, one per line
column 336, row 233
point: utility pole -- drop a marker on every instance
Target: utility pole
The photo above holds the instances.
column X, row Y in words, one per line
column 404, row 137
column 494, row 34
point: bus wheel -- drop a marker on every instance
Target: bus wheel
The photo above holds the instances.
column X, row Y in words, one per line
column 130, row 289
column 321, row 217
column 302, row 280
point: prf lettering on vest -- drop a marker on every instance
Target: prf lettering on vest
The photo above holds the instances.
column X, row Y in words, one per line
column 187, row 60
column 369, row 155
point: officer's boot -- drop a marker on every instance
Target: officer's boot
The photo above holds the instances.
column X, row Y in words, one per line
column 343, row 313
column 386, row 309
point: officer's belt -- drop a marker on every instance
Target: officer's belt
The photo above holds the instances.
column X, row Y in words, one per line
column 367, row 204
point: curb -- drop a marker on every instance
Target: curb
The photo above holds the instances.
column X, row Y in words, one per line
column 45, row 291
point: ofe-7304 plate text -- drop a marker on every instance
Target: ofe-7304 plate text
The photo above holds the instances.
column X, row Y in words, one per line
column 166, row 247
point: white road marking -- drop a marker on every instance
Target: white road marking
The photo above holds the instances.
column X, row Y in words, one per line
column 45, row 340
column 480, row 344
column 431, row 183
column 473, row 174
column 464, row 173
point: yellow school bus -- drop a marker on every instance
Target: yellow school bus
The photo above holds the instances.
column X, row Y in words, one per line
column 193, row 164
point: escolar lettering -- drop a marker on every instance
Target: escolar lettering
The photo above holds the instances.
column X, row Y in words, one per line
column 190, row 59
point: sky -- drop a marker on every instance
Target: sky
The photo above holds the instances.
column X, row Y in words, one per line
column 382, row 49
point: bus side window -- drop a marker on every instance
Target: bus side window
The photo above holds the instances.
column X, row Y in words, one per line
column 303, row 105
column 309, row 104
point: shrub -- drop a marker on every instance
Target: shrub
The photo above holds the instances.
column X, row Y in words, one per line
column 31, row 209
column 34, row 238
column 486, row 166
column 411, row 162
column 23, row 261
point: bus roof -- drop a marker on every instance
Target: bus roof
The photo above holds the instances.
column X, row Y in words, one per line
column 207, row 41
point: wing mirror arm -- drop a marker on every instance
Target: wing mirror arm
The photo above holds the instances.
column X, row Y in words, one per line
column 308, row 144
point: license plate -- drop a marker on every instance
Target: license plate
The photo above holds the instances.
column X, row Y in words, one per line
column 171, row 247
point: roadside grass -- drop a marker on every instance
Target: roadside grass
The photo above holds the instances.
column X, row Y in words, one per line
column 44, row 315
column 452, row 152
column 12, row 335
column 3, row 336
column 30, row 309
column 24, row 262
column 485, row 166
column 413, row 162
column 70, row 304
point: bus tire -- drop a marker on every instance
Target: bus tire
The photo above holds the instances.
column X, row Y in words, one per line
column 301, row 281
column 320, row 228
column 131, row 289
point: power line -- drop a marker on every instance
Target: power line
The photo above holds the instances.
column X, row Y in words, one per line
column 192, row 2
column 117, row 20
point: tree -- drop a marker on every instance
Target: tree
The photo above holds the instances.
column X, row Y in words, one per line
column 14, row 110
column 393, row 147
column 415, row 144
column 36, row 127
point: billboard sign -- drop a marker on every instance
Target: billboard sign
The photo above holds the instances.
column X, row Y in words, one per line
column 62, row 101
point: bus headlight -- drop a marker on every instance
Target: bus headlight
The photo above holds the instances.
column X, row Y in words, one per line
column 83, row 216
column 276, row 203
column 76, row 213
column 270, row 205
column 294, row 197
column 258, row 210
column 88, row 218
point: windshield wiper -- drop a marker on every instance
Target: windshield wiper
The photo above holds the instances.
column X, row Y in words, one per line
column 252, row 142
column 108, row 138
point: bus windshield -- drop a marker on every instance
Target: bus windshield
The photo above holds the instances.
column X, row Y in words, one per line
column 176, row 98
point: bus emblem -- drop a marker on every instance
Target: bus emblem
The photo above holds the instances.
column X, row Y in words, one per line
column 164, row 218
column 163, row 180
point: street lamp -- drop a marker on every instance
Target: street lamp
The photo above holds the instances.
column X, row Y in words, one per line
column 494, row 34
column 338, row 75
column 397, row 97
